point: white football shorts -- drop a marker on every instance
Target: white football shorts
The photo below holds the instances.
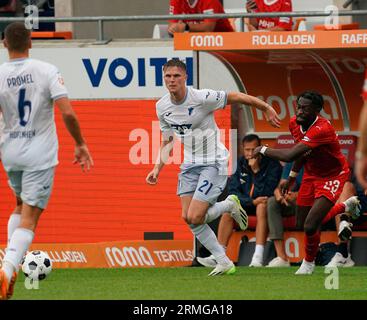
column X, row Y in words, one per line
column 33, row 187
column 204, row 182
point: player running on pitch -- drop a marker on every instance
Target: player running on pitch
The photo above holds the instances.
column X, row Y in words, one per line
column 189, row 113
column 326, row 171
column 28, row 89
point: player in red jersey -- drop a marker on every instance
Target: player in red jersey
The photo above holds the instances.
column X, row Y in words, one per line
column 198, row 7
column 325, row 172
column 270, row 23
column 361, row 155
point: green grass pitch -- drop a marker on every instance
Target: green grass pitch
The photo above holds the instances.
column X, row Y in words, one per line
column 193, row 284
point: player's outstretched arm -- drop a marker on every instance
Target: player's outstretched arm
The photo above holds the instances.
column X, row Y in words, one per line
column 82, row 155
column 165, row 149
column 286, row 155
column 270, row 114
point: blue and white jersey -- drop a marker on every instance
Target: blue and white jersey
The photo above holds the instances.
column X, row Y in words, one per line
column 192, row 121
column 28, row 88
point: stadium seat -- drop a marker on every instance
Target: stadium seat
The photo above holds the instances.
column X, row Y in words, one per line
column 236, row 22
column 312, row 5
column 160, row 31
column 300, row 24
column 346, row 26
column 289, row 223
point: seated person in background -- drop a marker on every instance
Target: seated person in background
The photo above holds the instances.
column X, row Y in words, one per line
column 253, row 182
column 198, row 7
column 344, row 222
column 270, row 23
column 280, row 206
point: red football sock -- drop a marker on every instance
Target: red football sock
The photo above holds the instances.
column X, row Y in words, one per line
column 337, row 209
column 311, row 246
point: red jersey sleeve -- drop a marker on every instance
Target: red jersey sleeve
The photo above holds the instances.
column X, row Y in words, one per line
column 174, row 8
column 286, row 22
column 319, row 135
column 364, row 92
column 210, row 7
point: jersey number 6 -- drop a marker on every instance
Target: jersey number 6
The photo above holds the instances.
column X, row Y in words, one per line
column 22, row 107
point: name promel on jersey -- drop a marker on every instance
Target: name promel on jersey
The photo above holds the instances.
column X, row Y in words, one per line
column 20, row 80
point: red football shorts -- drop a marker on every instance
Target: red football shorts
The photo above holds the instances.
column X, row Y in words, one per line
column 316, row 187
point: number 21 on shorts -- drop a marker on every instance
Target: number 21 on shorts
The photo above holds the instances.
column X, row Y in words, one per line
column 205, row 187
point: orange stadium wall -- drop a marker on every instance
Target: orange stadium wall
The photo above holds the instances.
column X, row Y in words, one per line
column 111, row 202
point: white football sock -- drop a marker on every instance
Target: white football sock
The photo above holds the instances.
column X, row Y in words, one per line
column 217, row 210
column 13, row 223
column 207, row 238
column 18, row 246
column 259, row 251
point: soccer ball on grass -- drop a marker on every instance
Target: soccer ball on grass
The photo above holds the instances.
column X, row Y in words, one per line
column 36, row 265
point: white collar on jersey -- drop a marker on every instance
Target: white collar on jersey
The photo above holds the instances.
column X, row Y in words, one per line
column 192, row 4
column 303, row 132
column 17, row 60
column 270, row 2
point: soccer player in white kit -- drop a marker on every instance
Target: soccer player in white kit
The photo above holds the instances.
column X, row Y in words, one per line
column 28, row 89
column 189, row 115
